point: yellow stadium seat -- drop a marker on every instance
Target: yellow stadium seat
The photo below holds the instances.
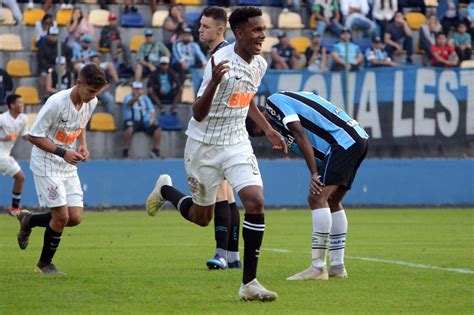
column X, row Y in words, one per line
column 159, row 18
column 415, row 20
column 122, row 91
column 99, row 17
column 63, row 16
column 467, row 64
column 431, row 3
column 189, row 2
column 102, row 122
column 136, row 41
column 289, row 20
column 300, row 43
column 29, row 94
column 188, row 95
column 31, row 16
column 30, row 119
column 268, row 44
column 33, row 43
column 268, row 21
column 18, row 68
column 7, row 17
column 10, row 42
column 90, row 1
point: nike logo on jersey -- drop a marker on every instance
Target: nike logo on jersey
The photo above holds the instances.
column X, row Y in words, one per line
column 238, row 78
column 64, row 121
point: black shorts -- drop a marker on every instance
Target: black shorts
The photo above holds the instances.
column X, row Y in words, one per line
column 137, row 127
column 340, row 166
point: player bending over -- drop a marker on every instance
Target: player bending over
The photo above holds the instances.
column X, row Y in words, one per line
column 316, row 129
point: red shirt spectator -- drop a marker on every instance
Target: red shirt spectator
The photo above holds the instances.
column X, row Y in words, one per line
column 443, row 54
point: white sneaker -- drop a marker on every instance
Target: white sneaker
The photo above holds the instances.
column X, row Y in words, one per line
column 338, row 271
column 254, row 291
column 155, row 201
column 312, row 273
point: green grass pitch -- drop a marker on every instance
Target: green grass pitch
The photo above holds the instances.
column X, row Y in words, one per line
column 130, row 263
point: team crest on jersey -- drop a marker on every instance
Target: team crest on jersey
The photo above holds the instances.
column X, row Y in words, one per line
column 193, row 184
column 53, row 192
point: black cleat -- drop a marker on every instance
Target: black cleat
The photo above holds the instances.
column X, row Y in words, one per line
column 25, row 229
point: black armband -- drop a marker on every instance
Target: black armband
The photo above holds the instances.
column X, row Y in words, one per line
column 60, row 152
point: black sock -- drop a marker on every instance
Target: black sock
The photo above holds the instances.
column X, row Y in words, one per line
column 50, row 245
column 233, row 244
column 41, row 219
column 252, row 232
column 222, row 224
column 16, row 196
column 179, row 200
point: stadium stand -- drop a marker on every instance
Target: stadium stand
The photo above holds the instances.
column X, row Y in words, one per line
column 31, row 16
column 135, row 42
column 268, row 44
column 30, row 119
column 63, row 16
column 33, row 44
column 99, row 17
column 189, row 2
column 120, row 93
column 300, row 43
column 415, row 20
column 18, row 68
column 29, row 94
column 104, row 122
column 159, row 18
column 289, row 20
column 7, row 17
column 431, row 3
column 10, row 42
column 467, row 64
column 188, row 95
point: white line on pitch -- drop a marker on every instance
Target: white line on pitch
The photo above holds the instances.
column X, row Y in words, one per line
column 388, row 261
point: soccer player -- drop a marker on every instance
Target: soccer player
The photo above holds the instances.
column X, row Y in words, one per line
column 13, row 123
column 59, row 138
column 218, row 144
column 316, row 129
column 226, row 214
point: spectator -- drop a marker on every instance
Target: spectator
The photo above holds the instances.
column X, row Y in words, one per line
column 462, row 42
column 139, row 115
column 355, row 14
column 170, row 25
column 443, row 54
column 428, row 34
column 316, row 56
column 47, row 54
column 187, row 54
column 148, row 55
column 105, row 96
column 110, row 39
column 42, row 27
column 164, row 86
column 376, row 56
column 6, row 85
column 449, row 14
column 77, row 27
column 52, row 84
column 327, row 15
column 419, row 4
column 284, row 56
column 398, row 36
column 339, row 53
column 383, row 11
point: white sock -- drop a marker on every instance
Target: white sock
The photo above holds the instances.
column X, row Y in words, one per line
column 232, row 256
column 320, row 239
column 337, row 238
column 222, row 252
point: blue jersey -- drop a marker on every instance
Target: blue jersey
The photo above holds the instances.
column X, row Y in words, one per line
column 327, row 126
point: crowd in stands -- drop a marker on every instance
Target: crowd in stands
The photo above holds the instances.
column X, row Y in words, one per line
column 344, row 34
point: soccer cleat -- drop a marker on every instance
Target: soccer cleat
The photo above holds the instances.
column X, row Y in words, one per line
column 312, row 273
column 14, row 211
column 234, row 265
column 155, row 201
column 338, row 271
column 217, row 262
column 49, row 269
column 25, row 229
column 254, row 291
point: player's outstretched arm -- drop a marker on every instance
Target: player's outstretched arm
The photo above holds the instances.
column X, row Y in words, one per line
column 72, row 157
column 202, row 106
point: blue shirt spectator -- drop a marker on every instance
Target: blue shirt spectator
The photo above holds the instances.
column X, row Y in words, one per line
column 339, row 53
column 376, row 56
column 140, row 111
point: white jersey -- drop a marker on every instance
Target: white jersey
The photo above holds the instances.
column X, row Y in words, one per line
column 61, row 123
column 225, row 123
column 14, row 127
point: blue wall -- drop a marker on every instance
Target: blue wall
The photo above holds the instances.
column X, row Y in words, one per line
column 388, row 182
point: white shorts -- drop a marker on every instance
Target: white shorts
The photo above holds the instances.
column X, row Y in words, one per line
column 59, row 191
column 207, row 165
column 8, row 166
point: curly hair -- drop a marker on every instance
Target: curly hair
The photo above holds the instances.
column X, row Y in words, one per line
column 241, row 16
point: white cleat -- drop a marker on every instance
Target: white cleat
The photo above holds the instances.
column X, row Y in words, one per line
column 155, row 200
column 254, row 291
column 312, row 273
column 338, row 271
